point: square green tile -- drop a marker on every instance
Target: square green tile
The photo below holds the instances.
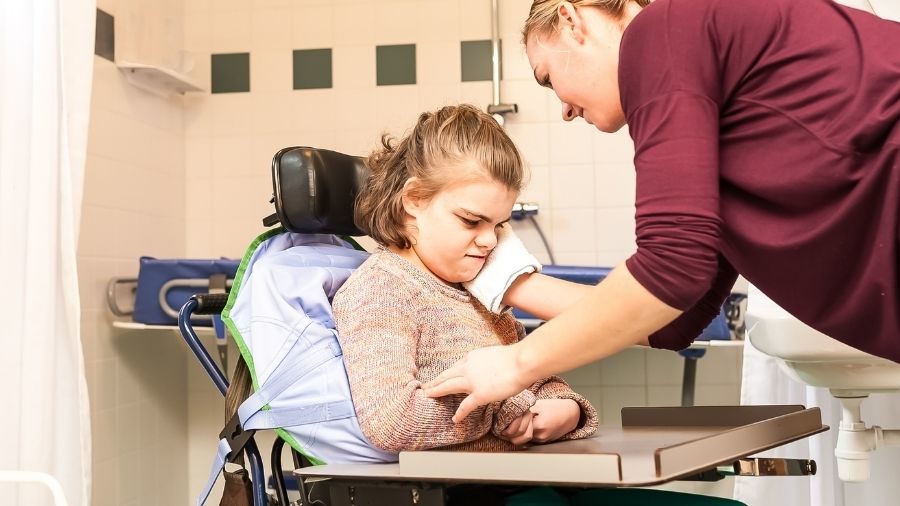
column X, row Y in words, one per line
column 105, row 36
column 230, row 73
column 312, row 69
column 395, row 64
column 475, row 60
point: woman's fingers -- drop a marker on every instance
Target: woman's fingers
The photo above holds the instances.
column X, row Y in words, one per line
column 454, row 372
column 447, row 386
column 469, row 404
column 486, row 374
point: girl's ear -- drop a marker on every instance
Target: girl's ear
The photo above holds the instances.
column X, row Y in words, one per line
column 412, row 204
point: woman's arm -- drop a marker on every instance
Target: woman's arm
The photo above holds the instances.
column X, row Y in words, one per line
column 615, row 314
column 543, row 296
column 683, row 330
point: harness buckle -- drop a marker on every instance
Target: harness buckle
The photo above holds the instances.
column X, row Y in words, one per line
column 236, row 437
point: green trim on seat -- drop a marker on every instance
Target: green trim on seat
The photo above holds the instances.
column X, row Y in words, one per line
column 239, row 339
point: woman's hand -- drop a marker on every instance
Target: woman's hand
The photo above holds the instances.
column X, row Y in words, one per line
column 520, row 430
column 554, row 418
column 486, row 374
column 617, row 313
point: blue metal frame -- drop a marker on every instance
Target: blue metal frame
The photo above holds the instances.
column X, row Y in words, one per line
column 257, row 474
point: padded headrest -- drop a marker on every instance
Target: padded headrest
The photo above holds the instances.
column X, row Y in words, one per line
column 315, row 190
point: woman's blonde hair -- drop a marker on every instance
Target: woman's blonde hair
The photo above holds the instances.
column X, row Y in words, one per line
column 452, row 144
column 542, row 17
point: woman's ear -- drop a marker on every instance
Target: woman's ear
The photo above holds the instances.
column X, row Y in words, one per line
column 570, row 22
column 412, row 203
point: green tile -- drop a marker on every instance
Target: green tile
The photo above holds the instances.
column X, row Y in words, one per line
column 105, row 36
column 475, row 60
column 395, row 64
column 230, row 72
column 312, row 68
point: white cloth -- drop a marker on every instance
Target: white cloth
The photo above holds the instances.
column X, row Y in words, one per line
column 508, row 260
column 46, row 64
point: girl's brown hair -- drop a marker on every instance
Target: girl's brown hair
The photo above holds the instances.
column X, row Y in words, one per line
column 542, row 17
column 452, row 144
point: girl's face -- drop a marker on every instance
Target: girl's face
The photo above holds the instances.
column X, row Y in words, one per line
column 580, row 63
column 453, row 232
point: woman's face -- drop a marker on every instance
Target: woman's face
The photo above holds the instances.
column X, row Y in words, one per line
column 453, row 232
column 579, row 62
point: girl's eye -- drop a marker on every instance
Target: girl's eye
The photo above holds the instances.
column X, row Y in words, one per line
column 469, row 223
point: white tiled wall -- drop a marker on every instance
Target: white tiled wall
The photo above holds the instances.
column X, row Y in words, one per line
column 190, row 178
column 582, row 180
column 649, row 377
column 134, row 204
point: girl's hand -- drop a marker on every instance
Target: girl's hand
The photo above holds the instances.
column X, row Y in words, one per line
column 554, row 418
column 520, row 430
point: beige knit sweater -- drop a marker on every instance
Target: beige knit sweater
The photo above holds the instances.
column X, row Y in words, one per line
column 399, row 328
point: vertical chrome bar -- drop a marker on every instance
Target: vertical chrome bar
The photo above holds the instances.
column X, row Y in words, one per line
column 495, row 51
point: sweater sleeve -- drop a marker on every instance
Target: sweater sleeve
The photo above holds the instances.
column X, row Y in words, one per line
column 510, row 409
column 555, row 387
column 378, row 331
column 519, row 404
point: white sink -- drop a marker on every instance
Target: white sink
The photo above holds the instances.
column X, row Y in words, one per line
column 811, row 357
column 816, row 359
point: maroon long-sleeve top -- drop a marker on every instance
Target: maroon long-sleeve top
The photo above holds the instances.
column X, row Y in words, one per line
column 767, row 143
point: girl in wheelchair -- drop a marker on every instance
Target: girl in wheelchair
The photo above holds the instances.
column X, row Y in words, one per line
column 435, row 202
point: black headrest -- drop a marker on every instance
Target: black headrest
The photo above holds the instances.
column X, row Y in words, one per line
column 315, row 190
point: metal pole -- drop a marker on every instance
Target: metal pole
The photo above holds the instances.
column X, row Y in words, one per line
column 495, row 51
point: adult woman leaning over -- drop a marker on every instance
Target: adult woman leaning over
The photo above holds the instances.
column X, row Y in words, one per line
column 766, row 141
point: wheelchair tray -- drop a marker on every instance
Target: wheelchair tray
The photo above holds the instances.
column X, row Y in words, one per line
column 654, row 445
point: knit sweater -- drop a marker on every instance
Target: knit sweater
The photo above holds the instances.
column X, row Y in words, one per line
column 399, row 328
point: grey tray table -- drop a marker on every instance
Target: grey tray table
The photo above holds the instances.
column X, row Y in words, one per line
column 654, row 445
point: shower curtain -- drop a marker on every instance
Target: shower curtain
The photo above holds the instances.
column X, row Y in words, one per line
column 46, row 66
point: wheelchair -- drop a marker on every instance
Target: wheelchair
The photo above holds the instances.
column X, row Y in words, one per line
column 314, row 194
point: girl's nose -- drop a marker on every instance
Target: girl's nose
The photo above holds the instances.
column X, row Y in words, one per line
column 487, row 239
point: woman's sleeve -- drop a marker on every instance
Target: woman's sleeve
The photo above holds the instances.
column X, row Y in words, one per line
column 379, row 333
column 682, row 331
column 671, row 83
column 678, row 227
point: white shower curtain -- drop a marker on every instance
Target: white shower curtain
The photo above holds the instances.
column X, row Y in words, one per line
column 46, row 67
